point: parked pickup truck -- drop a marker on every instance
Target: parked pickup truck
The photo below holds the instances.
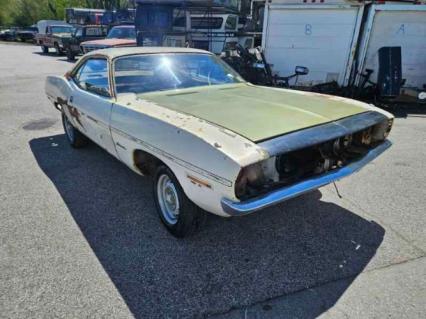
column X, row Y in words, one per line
column 119, row 36
column 53, row 37
column 211, row 141
column 82, row 34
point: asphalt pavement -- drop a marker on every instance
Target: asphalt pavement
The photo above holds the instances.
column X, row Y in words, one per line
column 80, row 238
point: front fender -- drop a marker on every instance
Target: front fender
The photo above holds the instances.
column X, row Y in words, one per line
column 205, row 172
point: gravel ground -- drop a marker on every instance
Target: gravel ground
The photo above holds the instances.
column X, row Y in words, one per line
column 80, row 237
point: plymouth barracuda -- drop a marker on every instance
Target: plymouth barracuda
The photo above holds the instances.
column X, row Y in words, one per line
column 211, row 141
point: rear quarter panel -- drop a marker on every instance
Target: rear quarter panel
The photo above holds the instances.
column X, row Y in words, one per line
column 58, row 89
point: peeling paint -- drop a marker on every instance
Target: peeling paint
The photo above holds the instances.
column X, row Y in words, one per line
column 217, row 145
column 227, row 132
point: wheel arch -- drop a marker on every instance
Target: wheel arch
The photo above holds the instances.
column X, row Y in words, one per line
column 145, row 162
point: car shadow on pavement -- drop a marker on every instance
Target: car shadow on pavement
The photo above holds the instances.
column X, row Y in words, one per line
column 60, row 58
column 407, row 110
column 231, row 263
column 50, row 53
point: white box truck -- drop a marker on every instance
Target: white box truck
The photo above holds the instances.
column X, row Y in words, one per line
column 319, row 34
column 395, row 24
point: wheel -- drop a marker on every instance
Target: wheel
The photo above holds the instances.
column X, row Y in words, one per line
column 180, row 216
column 70, row 55
column 58, row 49
column 45, row 49
column 74, row 137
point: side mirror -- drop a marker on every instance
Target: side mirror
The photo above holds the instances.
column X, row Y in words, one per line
column 301, row 70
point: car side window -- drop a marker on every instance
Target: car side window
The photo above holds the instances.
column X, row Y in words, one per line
column 92, row 76
column 79, row 32
column 231, row 23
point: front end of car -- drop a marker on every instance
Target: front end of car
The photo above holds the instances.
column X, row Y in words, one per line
column 62, row 39
column 89, row 47
column 310, row 158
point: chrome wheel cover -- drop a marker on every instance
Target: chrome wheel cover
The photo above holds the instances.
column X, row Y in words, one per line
column 168, row 199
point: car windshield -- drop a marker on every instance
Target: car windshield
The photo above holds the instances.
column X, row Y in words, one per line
column 160, row 72
column 60, row 29
column 122, row 33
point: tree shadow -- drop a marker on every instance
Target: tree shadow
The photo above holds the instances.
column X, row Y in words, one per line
column 50, row 53
column 60, row 58
column 229, row 264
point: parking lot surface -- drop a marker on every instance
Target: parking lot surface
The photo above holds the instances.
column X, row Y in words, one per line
column 79, row 235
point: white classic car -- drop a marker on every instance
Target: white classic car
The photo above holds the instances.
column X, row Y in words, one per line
column 211, row 141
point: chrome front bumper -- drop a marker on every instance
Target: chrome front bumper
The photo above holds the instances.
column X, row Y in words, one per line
column 283, row 194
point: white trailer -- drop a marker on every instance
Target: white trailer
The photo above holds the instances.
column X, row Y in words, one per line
column 390, row 25
column 319, row 34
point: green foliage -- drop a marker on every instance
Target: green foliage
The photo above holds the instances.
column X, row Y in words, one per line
column 28, row 12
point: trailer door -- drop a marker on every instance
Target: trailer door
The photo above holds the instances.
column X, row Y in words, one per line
column 392, row 25
column 320, row 37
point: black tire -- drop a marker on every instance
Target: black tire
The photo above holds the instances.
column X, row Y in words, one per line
column 45, row 49
column 190, row 217
column 70, row 55
column 74, row 137
column 58, row 49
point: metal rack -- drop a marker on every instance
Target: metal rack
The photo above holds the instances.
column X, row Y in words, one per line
column 204, row 10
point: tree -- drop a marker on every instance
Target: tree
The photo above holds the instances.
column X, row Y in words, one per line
column 28, row 12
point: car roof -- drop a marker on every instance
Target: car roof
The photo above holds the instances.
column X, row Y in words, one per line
column 117, row 52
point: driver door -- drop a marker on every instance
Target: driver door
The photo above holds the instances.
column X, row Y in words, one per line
column 91, row 102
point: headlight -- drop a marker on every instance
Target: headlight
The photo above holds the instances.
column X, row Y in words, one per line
column 381, row 130
column 389, row 128
column 249, row 175
column 255, row 177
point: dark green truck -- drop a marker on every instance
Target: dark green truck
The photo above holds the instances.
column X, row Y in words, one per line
column 82, row 34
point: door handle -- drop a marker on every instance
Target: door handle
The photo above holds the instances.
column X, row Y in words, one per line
column 71, row 99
